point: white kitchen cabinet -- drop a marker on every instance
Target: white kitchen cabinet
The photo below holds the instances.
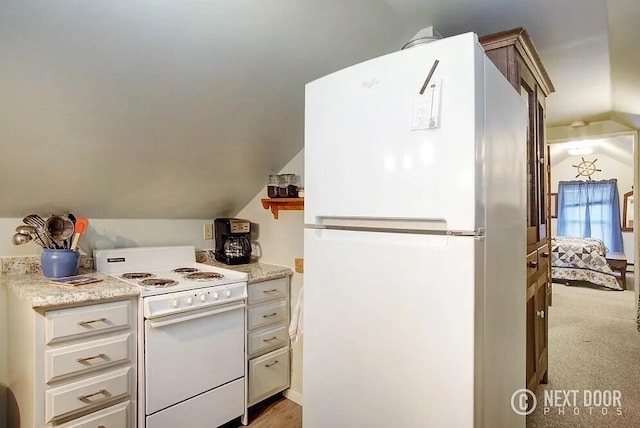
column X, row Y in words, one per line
column 268, row 374
column 87, row 356
column 268, row 314
column 275, row 289
column 73, row 366
column 268, row 338
column 114, row 416
column 70, row 323
column 86, row 394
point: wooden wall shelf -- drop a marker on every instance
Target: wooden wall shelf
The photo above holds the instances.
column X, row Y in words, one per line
column 280, row 204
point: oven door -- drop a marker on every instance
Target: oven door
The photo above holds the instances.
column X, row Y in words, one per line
column 191, row 353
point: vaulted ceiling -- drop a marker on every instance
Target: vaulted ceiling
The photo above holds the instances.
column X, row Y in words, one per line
column 619, row 148
column 181, row 108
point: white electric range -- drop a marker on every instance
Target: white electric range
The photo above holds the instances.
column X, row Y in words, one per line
column 191, row 332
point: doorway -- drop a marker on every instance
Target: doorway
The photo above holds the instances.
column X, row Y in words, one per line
column 593, row 342
column 602, row 157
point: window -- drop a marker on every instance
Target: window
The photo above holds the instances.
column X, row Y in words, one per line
column 590, row 209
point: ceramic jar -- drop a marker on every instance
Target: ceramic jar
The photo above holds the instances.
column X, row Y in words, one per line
column 60, row 263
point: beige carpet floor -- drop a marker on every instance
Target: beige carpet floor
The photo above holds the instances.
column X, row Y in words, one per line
column 593, row 345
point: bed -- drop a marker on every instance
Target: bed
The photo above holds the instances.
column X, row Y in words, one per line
column 581, row 259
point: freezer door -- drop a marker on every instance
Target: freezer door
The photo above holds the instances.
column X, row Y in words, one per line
column 367, row 155
column 389, row 329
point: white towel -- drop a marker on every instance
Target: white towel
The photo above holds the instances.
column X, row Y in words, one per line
column 296, row 328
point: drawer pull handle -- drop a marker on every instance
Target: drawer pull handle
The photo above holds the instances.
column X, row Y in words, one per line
column 273, row 290
column 271, row 364
column 85, row 359
column 545, row 254
column 86, row 398
column 270, row 315
column 533, row 264
column 269, row 340
column 83, row 323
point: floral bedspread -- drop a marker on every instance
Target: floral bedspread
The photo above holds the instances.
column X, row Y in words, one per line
column 581, row 259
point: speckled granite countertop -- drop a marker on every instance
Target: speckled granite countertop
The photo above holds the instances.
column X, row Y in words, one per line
column 35, row 289
column 257, row 271
column 23, row 277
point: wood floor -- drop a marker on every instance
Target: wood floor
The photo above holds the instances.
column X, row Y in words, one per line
column 276, row 412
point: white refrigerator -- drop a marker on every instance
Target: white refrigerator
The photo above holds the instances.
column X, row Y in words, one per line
column 414, row 242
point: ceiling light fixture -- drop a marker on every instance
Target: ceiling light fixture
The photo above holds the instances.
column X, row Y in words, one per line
column 580, row 147
column 576, row 151
column 578, row 124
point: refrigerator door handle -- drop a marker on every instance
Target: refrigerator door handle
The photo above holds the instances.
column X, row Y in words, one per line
column 396, row 225
column 380, row 223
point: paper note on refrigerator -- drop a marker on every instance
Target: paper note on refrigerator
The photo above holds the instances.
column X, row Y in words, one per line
column 426, row 107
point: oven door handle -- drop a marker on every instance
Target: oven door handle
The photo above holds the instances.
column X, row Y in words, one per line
column 156, row 324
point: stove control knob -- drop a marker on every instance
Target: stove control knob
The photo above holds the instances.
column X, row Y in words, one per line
column 227, row 293
column 174, row 303
column 189, row 300
column 215, row 296
column 203, row 297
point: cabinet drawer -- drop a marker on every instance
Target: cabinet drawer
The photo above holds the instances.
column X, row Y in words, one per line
column 268, row 375
column 532, row 264
column 267, row 314
column 87, row 356
column 83, row 321
column 267, row 339
column 117, row 416
column 86, row 394
column 268, row 290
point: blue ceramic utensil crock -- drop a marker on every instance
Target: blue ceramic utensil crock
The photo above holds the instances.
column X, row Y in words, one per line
column 60, row 263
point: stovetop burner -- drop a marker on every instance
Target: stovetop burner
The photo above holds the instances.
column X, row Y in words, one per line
column 204, row 276
column 185, row 270
column 158, row 282
column 171, row 268
column 137, row 275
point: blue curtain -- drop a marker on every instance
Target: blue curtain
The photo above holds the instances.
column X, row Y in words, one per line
column 590, row 209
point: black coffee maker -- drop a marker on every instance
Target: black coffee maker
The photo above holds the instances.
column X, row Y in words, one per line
column 232, row 240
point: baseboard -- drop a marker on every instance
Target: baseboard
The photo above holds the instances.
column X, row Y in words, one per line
column 294, row 396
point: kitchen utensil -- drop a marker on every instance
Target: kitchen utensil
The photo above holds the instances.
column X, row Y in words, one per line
column 47, row 238
column 38, row 222
column 59, row 227
column 34, row 219
column 71, row 217
column 21, row 238
column 26, row 229
column 82, row 223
